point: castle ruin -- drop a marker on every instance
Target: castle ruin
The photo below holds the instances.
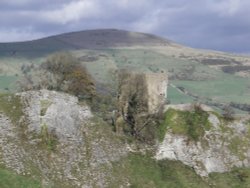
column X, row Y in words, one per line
column 141, row 93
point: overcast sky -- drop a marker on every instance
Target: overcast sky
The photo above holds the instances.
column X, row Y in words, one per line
column 212, row 24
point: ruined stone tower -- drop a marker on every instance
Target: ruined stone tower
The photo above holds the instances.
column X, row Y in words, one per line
column 157, row 90
column 141, row 93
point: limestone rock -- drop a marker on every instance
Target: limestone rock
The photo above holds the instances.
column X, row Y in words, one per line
column 59, row 140
column 225, row 146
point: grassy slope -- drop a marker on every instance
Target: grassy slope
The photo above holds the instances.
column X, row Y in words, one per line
column 176, row 97
column 193, row 124
column 225, row 88
column 144, row 171
column 237, row 178
column 9, row 179
column 202, row 81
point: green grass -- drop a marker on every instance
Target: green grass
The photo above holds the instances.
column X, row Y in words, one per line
column 226, row 88
column 144, row 171
column 239, row 146
column 11, row 106
column 190, row 123
column 9, row 179
column 133, row 59
column 145, row 60
column 237, row 178
column 203, row 81
column 176, row 97
column 49, row 141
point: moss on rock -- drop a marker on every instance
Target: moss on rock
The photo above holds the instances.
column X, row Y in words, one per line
column 190, row 123
column 11, row 106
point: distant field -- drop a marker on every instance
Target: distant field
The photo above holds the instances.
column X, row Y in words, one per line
column 176, row 97
column 223, row 89
column 198, row 79
column 139, row 60
column 7, row 83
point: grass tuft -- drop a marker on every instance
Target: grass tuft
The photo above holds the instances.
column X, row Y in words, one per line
column 144, row 171
column 11, row 106
column 9, row 179
column 190, row 123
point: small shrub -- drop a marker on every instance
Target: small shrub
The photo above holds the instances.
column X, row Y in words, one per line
column 48, row 139
column 61, row 72
column 228, row 113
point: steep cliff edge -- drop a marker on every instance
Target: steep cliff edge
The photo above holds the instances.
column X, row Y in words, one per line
column 57, row 140
column 205, row 141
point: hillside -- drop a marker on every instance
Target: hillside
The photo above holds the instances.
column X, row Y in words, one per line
column 211, row 77
column 44, row 146
column 112, row 108
column 91, row 39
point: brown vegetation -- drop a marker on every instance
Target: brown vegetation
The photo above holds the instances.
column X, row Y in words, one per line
column 61, row 72
column 235, row 69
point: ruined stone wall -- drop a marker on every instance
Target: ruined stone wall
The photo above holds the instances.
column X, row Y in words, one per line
column 146, row 92
column 157, row 90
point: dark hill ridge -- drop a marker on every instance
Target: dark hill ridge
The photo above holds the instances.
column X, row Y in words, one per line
column 89, row 39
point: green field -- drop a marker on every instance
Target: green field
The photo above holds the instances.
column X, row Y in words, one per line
column 176, row 97
column 198, row 79
column 226, row 88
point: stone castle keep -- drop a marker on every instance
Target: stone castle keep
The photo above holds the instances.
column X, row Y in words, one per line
column 157, row 90
column 141, row 93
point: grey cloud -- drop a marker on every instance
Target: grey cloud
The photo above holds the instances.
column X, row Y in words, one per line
column 215, row 24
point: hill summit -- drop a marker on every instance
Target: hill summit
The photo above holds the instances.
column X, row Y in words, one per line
column 89, row 39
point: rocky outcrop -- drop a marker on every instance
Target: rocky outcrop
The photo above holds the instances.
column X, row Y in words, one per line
column 59, row 112
column 224, row 146
column 59, row 141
